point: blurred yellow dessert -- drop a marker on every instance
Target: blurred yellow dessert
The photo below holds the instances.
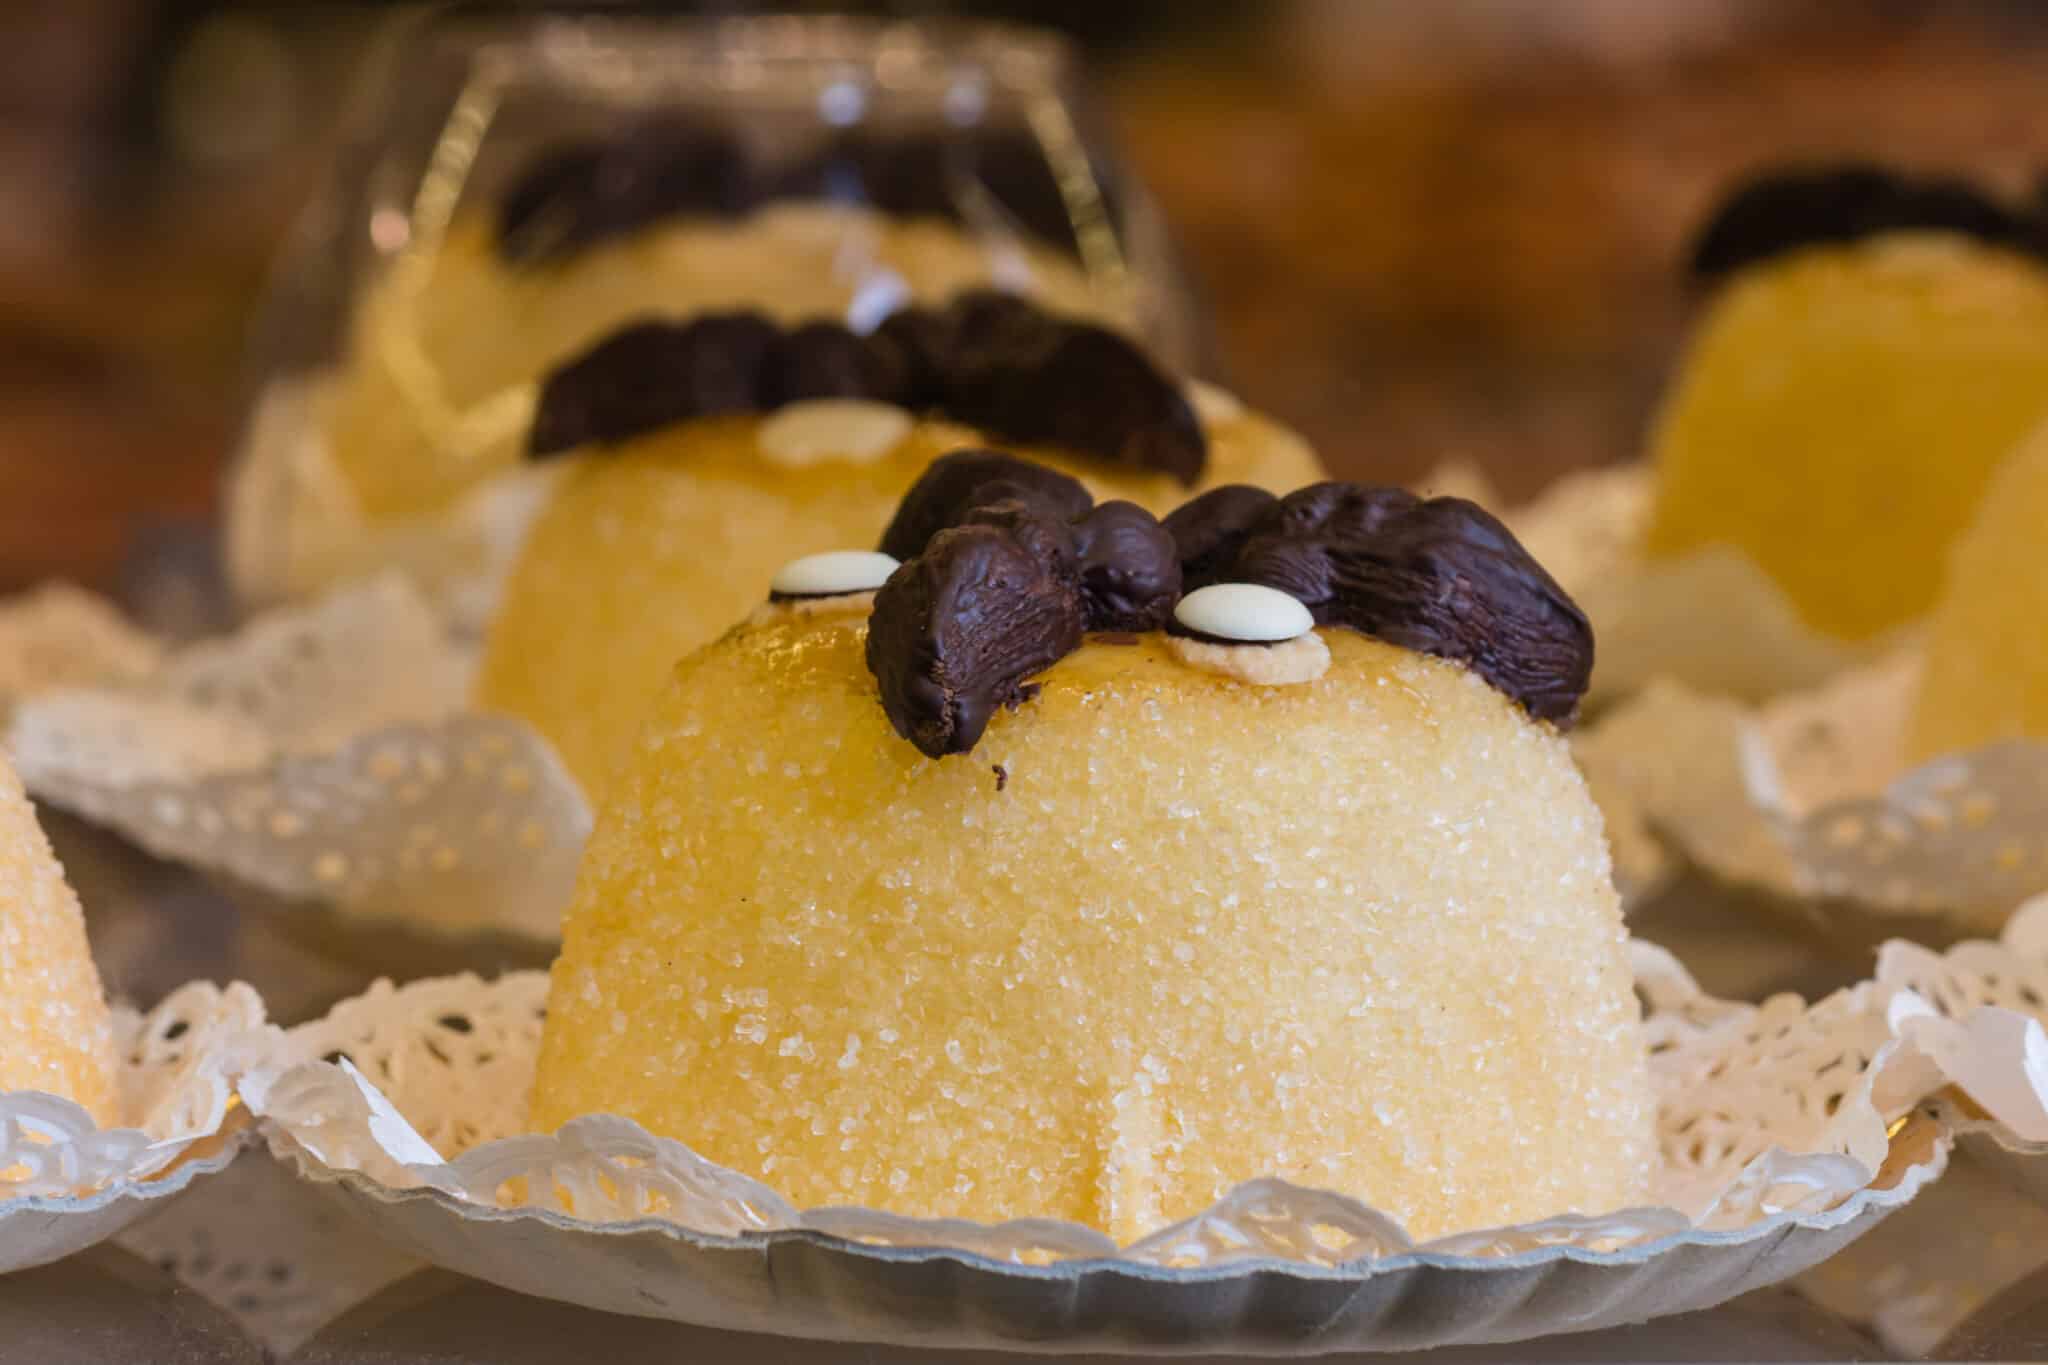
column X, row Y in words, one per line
column 447, row 352
column 58, row 1037
column 654, row 545
column 1111, row 864
column 1986, row 675
column 678, row 215
column 1876, row 347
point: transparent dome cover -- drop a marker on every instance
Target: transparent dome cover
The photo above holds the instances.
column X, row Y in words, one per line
column 520, row 186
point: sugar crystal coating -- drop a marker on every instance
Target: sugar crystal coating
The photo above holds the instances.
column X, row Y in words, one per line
column 55, row 1034
column 1986, row 676
column 657, row 546
column 1359, row 933
column 1839, row 413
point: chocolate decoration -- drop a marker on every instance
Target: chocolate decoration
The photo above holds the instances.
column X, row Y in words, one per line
column 956, row 631
column 993, row 544
column 826, row 360
column 1085, row 388
column 582, row 194
column 653, row 374
column 1130, row 569
column 990, row 359
column 585, row 193
column 1208, row 530
column 1782, row 211
column 1439, row 577
column 954, row 485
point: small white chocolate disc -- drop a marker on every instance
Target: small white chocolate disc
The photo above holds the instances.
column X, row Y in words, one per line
column 833, row 574
column 856, row 430
column 1213, row 405
column 1245, row 612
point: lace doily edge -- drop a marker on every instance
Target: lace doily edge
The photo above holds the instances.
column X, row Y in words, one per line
column 1875, row 1198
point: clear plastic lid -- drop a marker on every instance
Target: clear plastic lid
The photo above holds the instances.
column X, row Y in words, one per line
column 520, row 186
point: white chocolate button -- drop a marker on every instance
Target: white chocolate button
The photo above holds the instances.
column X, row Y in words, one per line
column 833, row 574
column 1245, row 612
column 1213, row 405
column 856, row 430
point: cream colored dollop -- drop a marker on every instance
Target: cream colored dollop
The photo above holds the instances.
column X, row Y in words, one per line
column 1248, row 612
column 855, row 430
column 1302, row 659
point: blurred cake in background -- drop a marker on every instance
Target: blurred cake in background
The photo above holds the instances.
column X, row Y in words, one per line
column 669, row 217
column 1873, row 346
column 706, row 453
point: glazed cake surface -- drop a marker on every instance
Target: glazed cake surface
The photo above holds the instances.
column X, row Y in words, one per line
column 1160, row 932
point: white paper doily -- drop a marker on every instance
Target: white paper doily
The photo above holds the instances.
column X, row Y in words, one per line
column 322, row 756
column 57, row 635
column 1810, row 798
column 293, row 526
column 1775, row 1119
column 1978, row 1012
column 66, row 1183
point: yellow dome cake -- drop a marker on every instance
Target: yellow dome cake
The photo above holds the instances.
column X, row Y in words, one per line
column 669, row 216
column 1876, row 348
column 53, row 1019
column 1109, row 864
column 657, row 543
column 1986, row 675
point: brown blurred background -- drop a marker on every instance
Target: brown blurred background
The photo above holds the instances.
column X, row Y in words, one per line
column 1425, row 228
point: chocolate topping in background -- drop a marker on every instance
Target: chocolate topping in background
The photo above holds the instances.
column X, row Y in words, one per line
column 1784, row 210
column 582, row 194
column 652, row 374
column 827, row 360
column 991, row 359
column 993, row 545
